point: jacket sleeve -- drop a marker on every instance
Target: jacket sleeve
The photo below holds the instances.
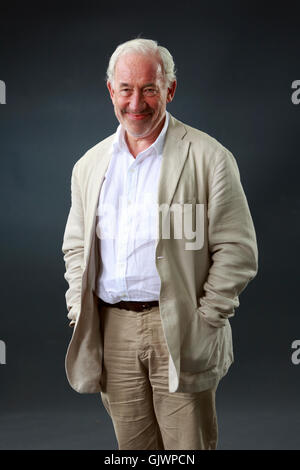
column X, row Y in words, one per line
column 232, row 243
column 73, row 249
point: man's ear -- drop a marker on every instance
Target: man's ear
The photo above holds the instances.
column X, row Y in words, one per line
column 111, row 90
column 171, row 91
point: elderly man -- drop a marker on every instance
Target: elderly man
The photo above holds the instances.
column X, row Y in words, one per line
column 150, row 297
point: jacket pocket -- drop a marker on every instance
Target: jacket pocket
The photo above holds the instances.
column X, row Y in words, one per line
column 201, row 346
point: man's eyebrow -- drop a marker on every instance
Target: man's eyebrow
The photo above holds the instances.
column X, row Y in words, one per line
column 144, row 86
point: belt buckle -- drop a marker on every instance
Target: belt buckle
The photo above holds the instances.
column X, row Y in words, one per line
column 146, row 306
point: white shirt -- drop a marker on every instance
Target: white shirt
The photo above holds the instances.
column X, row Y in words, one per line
column 127, row 222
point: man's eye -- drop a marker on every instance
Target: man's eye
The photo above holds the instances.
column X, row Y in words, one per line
column 150, row 91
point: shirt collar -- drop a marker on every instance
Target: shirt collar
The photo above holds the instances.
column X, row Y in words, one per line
column 119, row 142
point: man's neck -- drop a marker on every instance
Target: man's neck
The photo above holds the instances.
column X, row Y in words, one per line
column 139, row 144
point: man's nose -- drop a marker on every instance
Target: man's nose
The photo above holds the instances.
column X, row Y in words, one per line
column 137, row 102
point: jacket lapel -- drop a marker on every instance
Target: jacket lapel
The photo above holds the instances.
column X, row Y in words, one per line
column 174, row 155
column 95, row 182
column 103, row 157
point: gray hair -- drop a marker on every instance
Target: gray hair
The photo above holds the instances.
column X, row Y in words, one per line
column 143, row 46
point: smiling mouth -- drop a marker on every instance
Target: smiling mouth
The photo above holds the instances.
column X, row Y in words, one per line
column 137, row 117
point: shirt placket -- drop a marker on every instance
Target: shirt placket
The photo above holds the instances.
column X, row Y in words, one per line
column 127, row 228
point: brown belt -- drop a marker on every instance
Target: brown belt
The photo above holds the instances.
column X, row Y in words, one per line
column 131, row 305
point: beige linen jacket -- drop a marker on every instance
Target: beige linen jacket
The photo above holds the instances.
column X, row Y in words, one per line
column 199, row 287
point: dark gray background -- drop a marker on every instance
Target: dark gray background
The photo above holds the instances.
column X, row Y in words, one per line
column 236, row 63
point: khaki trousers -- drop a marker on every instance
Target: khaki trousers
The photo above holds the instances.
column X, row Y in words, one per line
column 145, row 415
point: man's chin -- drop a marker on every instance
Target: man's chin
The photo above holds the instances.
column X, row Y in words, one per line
column 137, row 131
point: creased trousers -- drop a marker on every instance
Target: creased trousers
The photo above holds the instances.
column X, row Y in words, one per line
column 135, row 393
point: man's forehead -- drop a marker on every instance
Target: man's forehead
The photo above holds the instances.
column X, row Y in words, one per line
column 137, row 67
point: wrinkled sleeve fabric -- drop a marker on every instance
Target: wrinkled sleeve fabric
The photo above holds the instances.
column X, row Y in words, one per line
column 73, row 249
column 232, row 242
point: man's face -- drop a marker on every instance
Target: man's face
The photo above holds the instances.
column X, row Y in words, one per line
column 139, row 94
